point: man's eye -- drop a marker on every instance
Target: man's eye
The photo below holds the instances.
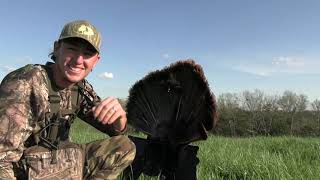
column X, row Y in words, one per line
column 71, row 48
column 89, row 54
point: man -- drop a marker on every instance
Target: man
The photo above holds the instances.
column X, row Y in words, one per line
column 39, row 104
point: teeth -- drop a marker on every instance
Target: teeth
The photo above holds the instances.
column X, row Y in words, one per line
column 75, row 69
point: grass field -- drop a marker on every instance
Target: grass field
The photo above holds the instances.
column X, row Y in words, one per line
column 244, row 158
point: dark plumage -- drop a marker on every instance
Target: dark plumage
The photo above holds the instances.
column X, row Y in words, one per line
column 174, row 104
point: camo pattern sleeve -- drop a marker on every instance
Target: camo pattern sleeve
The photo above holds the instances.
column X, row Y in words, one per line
column 90, row 99
column 23, row 100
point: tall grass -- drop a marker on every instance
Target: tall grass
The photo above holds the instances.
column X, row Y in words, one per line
column 259, row 158
column 244, row 158
column 82, row 133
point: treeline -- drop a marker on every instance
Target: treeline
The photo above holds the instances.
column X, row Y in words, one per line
column 256, row 113
column 252, row 113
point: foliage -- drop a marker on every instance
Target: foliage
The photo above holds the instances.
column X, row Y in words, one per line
column 256, row 113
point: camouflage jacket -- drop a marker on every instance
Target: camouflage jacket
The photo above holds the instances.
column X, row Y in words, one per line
column 24, row 101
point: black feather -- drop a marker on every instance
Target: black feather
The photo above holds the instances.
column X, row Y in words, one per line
column 174, row 104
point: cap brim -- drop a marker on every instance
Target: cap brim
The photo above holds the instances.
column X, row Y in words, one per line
column 67, row 37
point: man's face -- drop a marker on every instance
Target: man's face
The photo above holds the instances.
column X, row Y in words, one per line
column 75, row 59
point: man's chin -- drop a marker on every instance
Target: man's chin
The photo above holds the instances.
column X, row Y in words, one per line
column 73, row 79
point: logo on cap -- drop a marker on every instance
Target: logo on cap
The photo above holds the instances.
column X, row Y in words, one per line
column 85, row 30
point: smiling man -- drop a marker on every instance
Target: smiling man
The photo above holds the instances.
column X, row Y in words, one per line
column 39, row 104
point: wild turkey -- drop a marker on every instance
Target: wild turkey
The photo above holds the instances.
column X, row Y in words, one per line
column 173, row 107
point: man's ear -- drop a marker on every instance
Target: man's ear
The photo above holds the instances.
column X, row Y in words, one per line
column 56, row 47
column 98, row 58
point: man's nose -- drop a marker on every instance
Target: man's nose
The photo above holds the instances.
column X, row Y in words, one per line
column 79, row 58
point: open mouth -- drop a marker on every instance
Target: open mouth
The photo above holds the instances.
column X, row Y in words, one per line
column 75, row 70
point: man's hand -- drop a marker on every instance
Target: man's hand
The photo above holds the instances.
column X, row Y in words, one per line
column 110, row 111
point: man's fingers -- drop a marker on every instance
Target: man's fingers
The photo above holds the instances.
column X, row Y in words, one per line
column 110, row 111
column 105, row 105
column 114, row 117
column 101, row 116
column 107, row 115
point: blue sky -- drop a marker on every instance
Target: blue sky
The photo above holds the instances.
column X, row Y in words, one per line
column 242, row 45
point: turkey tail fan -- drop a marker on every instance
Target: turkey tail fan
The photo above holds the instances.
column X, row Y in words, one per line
column 173, row 104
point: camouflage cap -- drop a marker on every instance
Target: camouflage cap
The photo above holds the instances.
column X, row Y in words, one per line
column 82, row 29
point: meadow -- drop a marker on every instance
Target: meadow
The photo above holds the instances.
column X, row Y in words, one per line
column 285, row 158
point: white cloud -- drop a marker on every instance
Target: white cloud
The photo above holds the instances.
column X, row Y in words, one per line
column 258, row 71
column 106, row 75
column 165, row 56
column 18, row 62
column 281, row 65
column 6, row 68
column 289, row 62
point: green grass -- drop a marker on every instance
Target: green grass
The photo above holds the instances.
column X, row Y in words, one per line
column 244, row 158
column 259, row 158
column 81, row 132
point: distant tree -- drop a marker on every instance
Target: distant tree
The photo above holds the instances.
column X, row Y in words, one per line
column 302, row 103
column 315, row 105
column 270, row 109
column 228, row 105
column 253, row 102
column 288, row 103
